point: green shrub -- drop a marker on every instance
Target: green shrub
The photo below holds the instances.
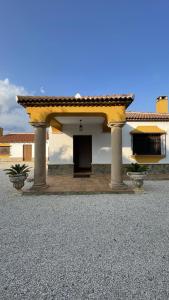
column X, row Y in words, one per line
column 135, row 167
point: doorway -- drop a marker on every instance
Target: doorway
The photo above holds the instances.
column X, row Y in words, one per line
column 27, row 152
column 82, row 153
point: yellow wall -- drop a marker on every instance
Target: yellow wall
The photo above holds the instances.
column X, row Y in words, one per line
column 45, row 114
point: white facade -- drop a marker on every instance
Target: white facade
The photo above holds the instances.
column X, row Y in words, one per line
column 16, row 150
column 61, row 144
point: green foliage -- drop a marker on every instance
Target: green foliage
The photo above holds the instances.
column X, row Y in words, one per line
column 137, row 168
column 18, row 169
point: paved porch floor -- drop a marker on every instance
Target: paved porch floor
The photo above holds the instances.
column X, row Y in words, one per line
column 96, row 183
column 62, row 184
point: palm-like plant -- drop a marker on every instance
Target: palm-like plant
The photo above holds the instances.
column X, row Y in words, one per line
column 18, row 169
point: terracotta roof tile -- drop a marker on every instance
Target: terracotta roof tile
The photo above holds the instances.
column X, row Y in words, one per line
column 106, row 100
column 144, row 116
column 18, row 138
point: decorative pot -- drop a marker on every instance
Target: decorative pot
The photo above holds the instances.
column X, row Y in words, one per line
column 18, row 180
column 137, row 179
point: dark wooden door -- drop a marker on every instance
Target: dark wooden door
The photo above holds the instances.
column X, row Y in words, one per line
column 27, row 152
column 82, row 153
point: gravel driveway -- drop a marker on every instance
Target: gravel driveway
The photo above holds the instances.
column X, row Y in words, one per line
column 84, row 247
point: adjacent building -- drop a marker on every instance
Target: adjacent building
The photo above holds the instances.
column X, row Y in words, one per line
column 18, row 146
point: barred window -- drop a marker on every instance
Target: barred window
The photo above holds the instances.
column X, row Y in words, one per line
column 149, row 144
column 4, row 150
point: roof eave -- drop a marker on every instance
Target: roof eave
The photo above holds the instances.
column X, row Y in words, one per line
column 29, row 101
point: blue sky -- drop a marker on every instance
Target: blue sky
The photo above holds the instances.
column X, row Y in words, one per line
column 61, row 47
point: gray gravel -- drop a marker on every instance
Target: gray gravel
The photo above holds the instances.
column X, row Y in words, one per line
column 84, row 247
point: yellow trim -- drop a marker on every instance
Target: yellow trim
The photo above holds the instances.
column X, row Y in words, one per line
column 56, row 126
column 4, row 155
column 148, row 129
column 148, row 158
column 4, row 145
column 56, row 131
column 45, row 114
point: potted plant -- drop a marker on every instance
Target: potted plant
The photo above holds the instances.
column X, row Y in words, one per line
column 137, row 173
column 18, row 174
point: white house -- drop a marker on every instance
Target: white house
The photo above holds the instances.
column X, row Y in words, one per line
column 95, row 134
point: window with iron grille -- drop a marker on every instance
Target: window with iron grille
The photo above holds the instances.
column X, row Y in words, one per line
column 5, row 150
column 149, row 144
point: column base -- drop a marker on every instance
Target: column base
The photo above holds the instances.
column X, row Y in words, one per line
column 118, row 186
column 37, row 187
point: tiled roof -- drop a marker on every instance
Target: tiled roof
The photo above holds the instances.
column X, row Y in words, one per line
column 144, row 116
column 18, row 138
column 108, row 100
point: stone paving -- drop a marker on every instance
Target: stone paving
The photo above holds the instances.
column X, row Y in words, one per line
column 93, row 184
column 84, row 246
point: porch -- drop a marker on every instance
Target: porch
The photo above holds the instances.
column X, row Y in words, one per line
column 54, row 112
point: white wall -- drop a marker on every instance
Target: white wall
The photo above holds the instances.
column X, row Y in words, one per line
column 61, row 145
column 16, row 149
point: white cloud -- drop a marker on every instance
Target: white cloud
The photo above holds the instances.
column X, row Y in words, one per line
column 42, row 90
column 12, row 116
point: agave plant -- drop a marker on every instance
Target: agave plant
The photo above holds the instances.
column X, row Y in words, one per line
column 17, row 175
column 18, row 169
column 137, row 168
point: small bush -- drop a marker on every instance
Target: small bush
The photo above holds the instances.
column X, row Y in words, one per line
column 135, row 167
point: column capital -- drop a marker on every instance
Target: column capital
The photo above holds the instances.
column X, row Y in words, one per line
column 116, row 124
column 39, row 124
